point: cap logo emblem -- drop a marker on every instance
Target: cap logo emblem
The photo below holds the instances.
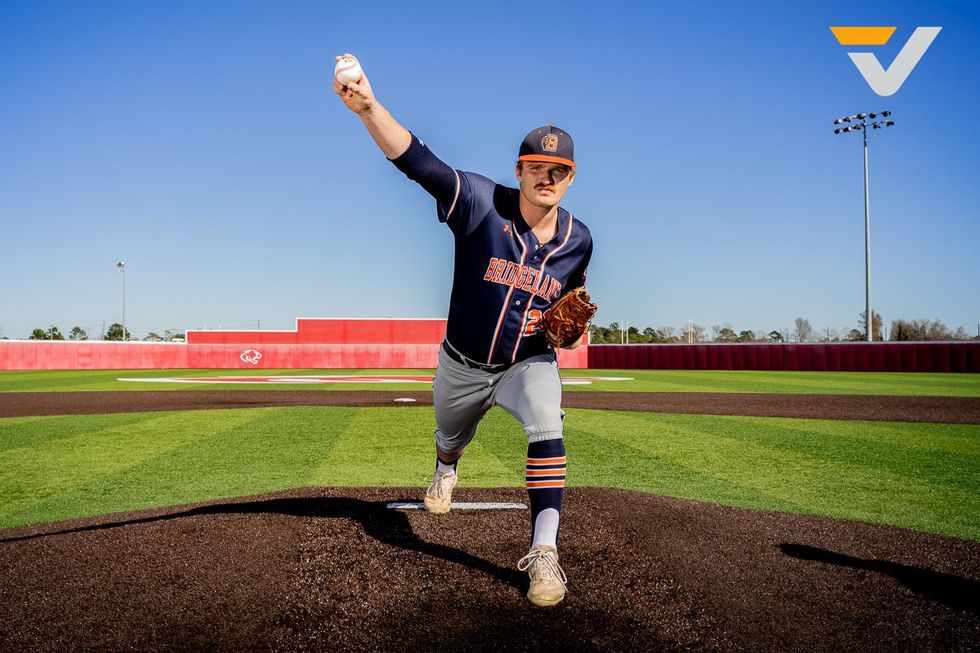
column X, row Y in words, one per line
column 549, row 143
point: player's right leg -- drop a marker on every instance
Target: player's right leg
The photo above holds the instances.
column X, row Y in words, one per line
column 461, row 397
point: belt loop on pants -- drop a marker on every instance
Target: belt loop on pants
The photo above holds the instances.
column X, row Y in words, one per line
column 463, row 360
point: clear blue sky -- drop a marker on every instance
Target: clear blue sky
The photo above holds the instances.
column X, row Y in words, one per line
column 201, row 143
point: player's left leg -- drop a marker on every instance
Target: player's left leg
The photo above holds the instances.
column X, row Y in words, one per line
column 531, row 392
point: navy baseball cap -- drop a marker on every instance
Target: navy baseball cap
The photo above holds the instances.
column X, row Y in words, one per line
column 548, row 144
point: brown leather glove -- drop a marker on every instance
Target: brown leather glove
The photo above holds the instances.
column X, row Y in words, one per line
column 568, row 318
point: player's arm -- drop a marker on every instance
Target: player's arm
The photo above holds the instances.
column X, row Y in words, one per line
column 391, row 137
column 406, row 151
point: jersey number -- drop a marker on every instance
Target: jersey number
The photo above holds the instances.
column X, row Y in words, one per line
column 533, row 318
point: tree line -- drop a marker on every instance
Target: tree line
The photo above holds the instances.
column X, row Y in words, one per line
column 114, row 332
column 802, row 331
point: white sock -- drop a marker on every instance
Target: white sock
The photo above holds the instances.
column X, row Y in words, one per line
column 546, row 529
column 443, row 468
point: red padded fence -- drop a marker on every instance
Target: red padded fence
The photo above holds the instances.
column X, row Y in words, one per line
column 334, row 331
column 960, row 356
column 316, row 343
column 71, row 355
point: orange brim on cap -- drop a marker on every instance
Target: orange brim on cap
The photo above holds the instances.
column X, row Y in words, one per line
column 544, row 158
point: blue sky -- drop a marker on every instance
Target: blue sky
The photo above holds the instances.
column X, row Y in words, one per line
column 201, row 143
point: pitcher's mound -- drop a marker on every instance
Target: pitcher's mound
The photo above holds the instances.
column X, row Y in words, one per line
column 335, row 569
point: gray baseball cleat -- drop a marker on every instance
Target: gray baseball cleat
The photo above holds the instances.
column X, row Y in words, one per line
column 439, row 496
column 548, row 580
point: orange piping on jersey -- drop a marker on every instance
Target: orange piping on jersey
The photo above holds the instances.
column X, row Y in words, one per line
column 459, row 185
column 503, row 309
column 517, row 343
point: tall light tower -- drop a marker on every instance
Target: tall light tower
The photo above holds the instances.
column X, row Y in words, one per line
column 122, row 268
column 861, row 122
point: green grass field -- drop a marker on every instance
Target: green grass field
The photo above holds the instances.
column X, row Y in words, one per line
column 875, row 383
column 920, row 476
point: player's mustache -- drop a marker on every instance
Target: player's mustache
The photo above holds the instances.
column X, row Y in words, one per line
column 550, row 187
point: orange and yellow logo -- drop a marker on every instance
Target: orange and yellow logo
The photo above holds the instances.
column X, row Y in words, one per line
column 885, row 82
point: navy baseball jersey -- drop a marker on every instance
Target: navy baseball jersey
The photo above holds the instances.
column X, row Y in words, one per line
column 503, row 279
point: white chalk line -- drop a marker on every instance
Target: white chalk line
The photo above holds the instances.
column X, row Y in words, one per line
column 458, row 505
column 273, row 380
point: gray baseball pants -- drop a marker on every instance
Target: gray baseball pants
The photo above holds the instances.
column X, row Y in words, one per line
column 529, row 390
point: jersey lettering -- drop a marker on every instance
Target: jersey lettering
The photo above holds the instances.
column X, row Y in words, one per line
column 522, row 277
column 533, row 318
column 519, row 281
column 512, row 269
column 490, row 269
column 532, row 273
column 499, row 271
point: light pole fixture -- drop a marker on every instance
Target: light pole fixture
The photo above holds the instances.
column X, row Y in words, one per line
column 122, row 268
column 861, row 122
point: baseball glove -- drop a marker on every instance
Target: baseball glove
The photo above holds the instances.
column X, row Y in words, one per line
column 568, row 318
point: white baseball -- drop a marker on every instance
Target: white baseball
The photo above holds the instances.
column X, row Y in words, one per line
column 347, row 70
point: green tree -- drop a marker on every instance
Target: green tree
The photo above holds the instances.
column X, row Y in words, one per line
column 154, row 337
column 169, row 335
column 78, row 333
column 900, row 331
column 115, row 332
column 633, row 335
column 746, row 336
column 54, row 334
column 652, row 335
column 854, row 335
column 38, row 334
column 726, row 334
column 776, row 336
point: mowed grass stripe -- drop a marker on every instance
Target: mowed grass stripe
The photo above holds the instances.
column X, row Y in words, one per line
column 502, row 437
column 597, row 460
column 30, row 475
column 30, row 431
column 379, row 447
column 818, row 483
column 909, row 455
column 395, row 447
column 957, row 439
column 222, row 454
column 901, row 458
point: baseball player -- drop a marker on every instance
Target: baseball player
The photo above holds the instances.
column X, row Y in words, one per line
column 516, row 252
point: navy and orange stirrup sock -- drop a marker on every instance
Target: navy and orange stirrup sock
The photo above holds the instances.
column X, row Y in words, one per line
column 545, row 478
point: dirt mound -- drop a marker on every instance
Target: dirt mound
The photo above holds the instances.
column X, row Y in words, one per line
column 333, row 569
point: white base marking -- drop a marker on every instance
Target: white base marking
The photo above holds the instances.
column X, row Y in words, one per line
column 458, row 505
column 405, row 399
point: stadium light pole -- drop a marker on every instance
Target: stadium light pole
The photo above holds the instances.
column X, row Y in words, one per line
column 122, row 268
column 861, row 122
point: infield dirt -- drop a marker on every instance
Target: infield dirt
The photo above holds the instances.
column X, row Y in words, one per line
column 334, row 570
column 950, row 410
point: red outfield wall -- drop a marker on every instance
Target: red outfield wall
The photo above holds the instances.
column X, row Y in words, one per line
column 959, row 356
column 315, row 343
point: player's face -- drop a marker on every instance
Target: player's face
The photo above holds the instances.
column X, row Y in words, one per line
column 544, row 184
